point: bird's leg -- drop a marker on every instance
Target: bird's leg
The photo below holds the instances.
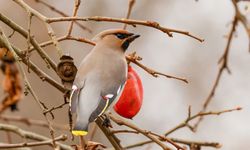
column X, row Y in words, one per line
column 106, row 121
column 83, row 143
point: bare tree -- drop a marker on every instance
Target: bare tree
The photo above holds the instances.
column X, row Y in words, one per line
column 14, row 60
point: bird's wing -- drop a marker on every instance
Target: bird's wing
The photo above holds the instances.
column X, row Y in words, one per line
column 86, row 102
column 79, row 83
column 104, row 103
column 100, row 109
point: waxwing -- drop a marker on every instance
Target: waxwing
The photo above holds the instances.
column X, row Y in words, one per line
column 100, row 77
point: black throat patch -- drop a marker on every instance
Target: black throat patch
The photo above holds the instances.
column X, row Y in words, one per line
column 125, row 45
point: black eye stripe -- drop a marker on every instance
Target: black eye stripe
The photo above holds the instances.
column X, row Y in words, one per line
column 121, row 35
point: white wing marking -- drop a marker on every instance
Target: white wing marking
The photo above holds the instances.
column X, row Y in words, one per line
column 108, row 96
column 74, row 88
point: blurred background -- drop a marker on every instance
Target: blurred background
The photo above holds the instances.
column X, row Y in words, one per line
column 166, row 101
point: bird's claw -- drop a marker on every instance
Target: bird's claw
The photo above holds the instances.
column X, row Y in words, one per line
column 90, row 146
column 106, row 121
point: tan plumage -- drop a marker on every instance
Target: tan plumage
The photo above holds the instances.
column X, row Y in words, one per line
column 100, row 76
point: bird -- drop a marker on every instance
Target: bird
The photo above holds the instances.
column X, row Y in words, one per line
column 100, row 77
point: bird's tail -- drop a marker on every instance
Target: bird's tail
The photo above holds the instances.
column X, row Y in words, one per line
column 80, row 129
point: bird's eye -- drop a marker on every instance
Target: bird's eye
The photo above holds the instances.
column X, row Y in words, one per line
column 121, row 36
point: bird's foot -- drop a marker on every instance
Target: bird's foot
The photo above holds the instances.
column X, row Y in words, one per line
column 94, row 145
column 106, row 121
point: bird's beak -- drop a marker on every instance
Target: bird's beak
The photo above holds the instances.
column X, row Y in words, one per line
column 132, row 37
column 128, row 40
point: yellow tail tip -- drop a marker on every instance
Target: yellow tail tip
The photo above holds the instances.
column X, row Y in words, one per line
column 79, row 132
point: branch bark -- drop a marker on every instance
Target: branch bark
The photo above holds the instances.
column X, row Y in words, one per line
column 132, row 22
column 30, row 135
column 34, row 43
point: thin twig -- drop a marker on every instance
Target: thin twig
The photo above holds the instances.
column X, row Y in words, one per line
column 24, row 33
column 223, row 66
column 130, row 6
column 185, row 123
column 42, row 106
column 133, row 58
column 130, row 58
column 33, row 144
column 33, row 67
column 152, row 24
column 181, row 141
column 124, row 131
column 162, row 138
column 32, row 122
column 62, row 14
column 147, row 134
column 203, row 144
column 28, row 41
column 30, row 135
column 63, row 38
column 51, row 32
column 55, row 108
column 111, row 137
column 189, row 118
column 40, row 103
column 77, row 4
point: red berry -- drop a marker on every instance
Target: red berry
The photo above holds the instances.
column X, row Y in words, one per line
column 130, row 101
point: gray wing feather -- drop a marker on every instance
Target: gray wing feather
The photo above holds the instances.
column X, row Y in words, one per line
column 88, row 100
column 100, row 108
column 105, row 103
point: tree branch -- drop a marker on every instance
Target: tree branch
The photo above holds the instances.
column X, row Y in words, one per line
column 51, row 32
column 185, row 123
column 111, row 137
column 34, row 43
column 223, row 61
column 30, row 135
column 152, row 24
column 31, row 122
column 135, row 59
column 62, row 14
column 130, row 6
column 144, row 132
column 32, row 144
